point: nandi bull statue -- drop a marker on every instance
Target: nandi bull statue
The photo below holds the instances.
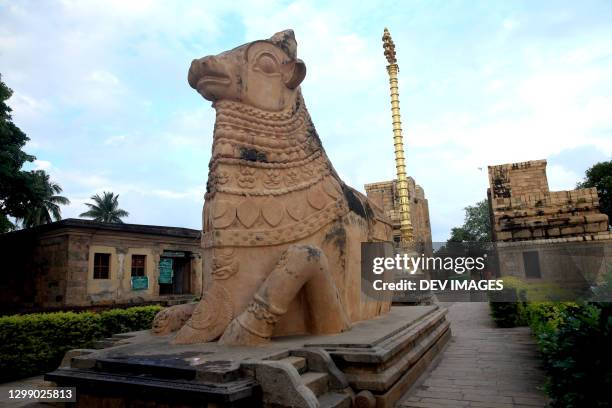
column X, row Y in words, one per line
column 281, row 231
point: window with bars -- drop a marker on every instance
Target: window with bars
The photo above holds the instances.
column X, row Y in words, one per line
column 138, row 265
column 101, row 266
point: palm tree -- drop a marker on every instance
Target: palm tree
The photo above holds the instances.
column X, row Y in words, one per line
column 105, row 208
column 46, row 209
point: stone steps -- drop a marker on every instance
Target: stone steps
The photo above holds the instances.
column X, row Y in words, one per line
column 335, row 400
column 298, row 362
column 319, row 384
column 385, row 369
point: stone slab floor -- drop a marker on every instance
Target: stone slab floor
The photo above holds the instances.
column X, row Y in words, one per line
column 31, row 383
column 482, row 366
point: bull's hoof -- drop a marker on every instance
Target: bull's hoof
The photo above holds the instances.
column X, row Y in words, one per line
column 189, row 335
column 237, row 335
column 209, row 319
column 172, row 318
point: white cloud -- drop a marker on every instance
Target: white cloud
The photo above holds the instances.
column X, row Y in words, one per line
column 75, row 208
column 194, row 194
column 115, row 140
column 510, row 24
column 192, row 127
column 495, row 85
column 103, row 78
column 560, row 178
column 42, row 165
column 26, row 107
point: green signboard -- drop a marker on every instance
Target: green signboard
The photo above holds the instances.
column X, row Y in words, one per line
column 173, row 254
column 140, row 282
column 165, row 270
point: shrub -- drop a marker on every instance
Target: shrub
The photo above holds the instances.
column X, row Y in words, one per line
column 505, row 313
column 506, row 304
column 547, row 316
column 508, row 307
column 35, row 343
column 574, row 339
column 575, row 344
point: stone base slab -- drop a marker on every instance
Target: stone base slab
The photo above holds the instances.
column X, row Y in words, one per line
column 382, row 356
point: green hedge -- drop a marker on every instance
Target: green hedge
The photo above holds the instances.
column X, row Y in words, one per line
column 35, row 343
column 575, row 341
column 512, row 313
column 508, row 313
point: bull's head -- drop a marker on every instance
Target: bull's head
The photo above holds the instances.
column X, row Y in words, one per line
column 264, row 74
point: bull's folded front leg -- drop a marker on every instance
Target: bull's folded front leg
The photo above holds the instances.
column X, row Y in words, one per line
column 300, row 266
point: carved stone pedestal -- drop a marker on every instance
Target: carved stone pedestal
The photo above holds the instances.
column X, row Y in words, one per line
column 373, row 363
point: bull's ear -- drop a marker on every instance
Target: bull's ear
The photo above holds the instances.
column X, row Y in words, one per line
column 296, row 75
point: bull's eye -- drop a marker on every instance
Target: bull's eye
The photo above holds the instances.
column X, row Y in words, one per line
column 267, row 63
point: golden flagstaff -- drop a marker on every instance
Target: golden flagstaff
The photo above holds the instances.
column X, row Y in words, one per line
column 402, row 181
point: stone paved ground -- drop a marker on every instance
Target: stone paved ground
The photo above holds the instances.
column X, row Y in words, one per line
column 483, row 366
column 26, row 383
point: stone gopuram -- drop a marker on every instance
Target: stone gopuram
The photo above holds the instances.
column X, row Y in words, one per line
column 283, row 320
column 523, row 208
column 384, row 194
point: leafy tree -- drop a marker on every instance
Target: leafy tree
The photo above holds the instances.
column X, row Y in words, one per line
column 477, row 224
column 600, row 177
column 105, row 208
column 20, row 191
column 46, row 209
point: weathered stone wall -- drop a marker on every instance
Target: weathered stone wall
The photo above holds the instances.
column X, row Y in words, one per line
column 77, row 272
column 32, row 270
column 49, row 262
column 519, row 179
column 523, row 208
column 571, row 261
column 384, row 194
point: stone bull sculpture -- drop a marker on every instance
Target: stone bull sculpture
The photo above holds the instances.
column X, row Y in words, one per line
column 281, row 231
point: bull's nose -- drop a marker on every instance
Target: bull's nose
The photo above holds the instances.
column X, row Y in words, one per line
column 208, row 66
column 195, row 72
column 206, row 63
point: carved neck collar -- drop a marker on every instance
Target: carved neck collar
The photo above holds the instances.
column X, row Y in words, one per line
column 241, row 110
column 251, row 134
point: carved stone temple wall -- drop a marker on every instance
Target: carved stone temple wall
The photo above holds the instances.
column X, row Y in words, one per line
column 523, row 207
column 384, row 194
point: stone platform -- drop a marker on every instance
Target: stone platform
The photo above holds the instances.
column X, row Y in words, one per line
column 372, row 364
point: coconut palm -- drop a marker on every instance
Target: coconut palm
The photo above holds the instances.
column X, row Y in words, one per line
column 105, row 208
column 46, row 209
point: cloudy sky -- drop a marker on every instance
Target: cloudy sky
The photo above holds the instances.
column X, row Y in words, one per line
column 101, row 90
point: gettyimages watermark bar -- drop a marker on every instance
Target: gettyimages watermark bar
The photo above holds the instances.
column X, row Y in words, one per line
column 486, row 271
